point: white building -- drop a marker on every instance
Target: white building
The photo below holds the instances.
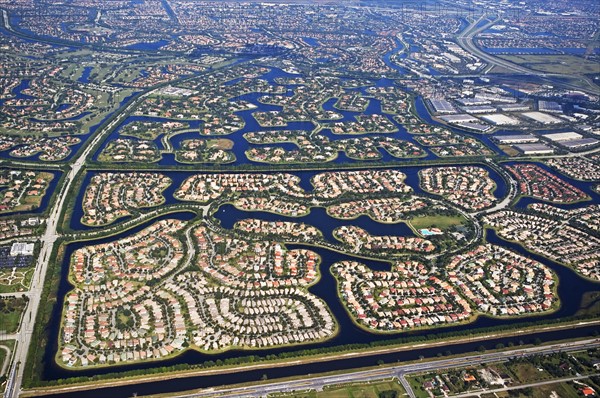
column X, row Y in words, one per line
column 21, row 249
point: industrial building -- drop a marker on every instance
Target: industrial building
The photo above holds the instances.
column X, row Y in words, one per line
column 542, row 118
column 534, row 149
column 498, row 119
column 516, row 138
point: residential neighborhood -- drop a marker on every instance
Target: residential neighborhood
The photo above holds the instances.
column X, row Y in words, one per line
column 500, row 282
column 536, row 182
column 358, row 241
column 578, row 168
column 110, row 196
column 550, row 238
column 22, row 190
column 407, row 297
column 131, row 301
column 307, row 198
column 469, row 187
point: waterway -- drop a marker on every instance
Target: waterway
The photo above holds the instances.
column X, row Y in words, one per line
column 570, row 290
column 85, row 75
column 241, row 145
column 195, row 382
column 177, row 178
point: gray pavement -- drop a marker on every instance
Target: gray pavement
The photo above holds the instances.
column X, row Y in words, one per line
column 399, row 371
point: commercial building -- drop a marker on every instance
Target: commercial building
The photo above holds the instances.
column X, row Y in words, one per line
column 460, row 118
column 542, row 118
column 516, row 138
column 578, row 144
column 534, row 149
column 479, row 109
column 564, row 136
column 498, row 119
column 442, row 106
column 549, row 106
column 21, row 249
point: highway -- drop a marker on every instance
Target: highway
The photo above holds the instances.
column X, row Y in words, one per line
column 23, row 337
column 399, row 372
column 465, row 40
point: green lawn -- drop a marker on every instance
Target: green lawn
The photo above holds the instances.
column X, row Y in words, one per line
column 563, row 390
column 10, row 313
column 528, row 373
column 563, row 64
column 15, row 282
column 365, row 390
column 441, row 222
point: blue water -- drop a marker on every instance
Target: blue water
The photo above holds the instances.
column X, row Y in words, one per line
column 311, row 41
column 85, row 75
column 148, row 46
column 570, row 290
column 63, row 107
column 228, row 215
column 387, row 59
column 18, row 91
column 586, row 187
column 275, row 73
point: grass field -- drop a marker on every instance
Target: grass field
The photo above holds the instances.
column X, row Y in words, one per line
column 590, row 304
column 10, row 322
column 562, row 390
column 220, row 143
column 10, row 344
column 441, row 222
column 527, row 373
column 11, row 309
column 366, row 390
column 15, row 281
column 563, row 64
column 509, row 150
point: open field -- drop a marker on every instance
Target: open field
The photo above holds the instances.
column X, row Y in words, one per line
column 562, row 64
column 361, row 390
column 437, row 221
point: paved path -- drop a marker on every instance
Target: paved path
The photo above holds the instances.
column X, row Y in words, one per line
column 522, row 386
column 6, row 360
